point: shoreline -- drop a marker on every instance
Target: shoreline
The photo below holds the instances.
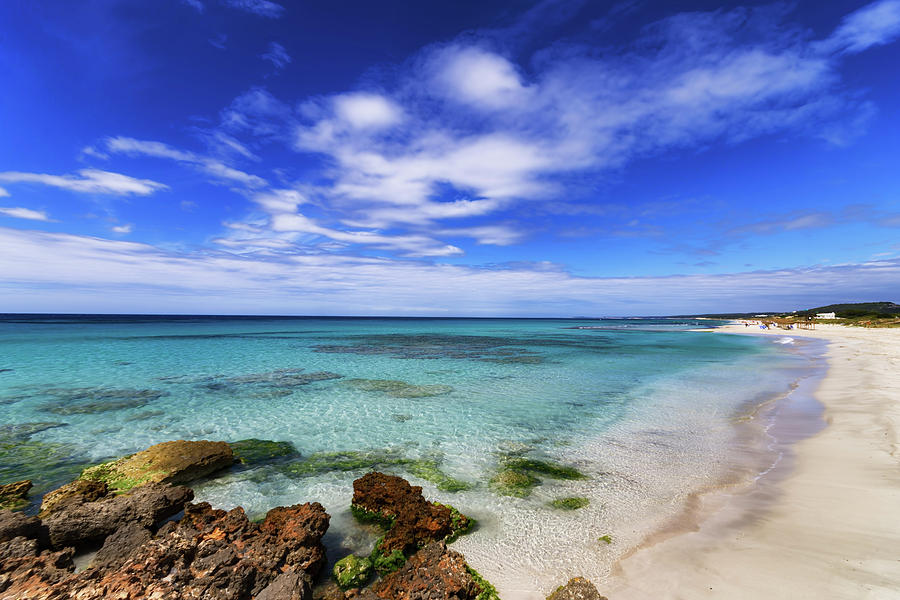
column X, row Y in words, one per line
column 820, row 524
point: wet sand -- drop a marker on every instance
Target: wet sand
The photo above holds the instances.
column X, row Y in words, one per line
column 825, row 523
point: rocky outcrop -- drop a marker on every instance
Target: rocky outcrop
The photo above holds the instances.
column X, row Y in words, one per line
column 413, row 521
column 209, row 554
column 14, row 496
column 174, row 462
column 433, row 573
column 77, row 492
column 578, row 588
column 79, row 521
column 15, row 524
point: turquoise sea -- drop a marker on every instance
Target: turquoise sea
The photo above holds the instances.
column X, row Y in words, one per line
column 646, row 409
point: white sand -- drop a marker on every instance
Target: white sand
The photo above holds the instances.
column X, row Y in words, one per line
column 826, row 525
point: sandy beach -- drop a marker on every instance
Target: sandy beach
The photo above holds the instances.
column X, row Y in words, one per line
column 825, row 523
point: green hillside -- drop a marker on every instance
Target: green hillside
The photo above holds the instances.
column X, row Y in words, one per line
column 858, row 309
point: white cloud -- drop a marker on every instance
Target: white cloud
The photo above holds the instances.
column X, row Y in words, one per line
column 91, row 151
column 3, row 193
column 195, row 4
column 263, row 8
column 366, row 111
column 476, row 125
column 475, row 76
column 123, row 228
column 211, row 166
column 54, row 272
column 873, row 25
column 91, row 181
column 277, row 55
column 24, row 213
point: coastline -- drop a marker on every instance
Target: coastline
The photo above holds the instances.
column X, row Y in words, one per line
column 821, row 524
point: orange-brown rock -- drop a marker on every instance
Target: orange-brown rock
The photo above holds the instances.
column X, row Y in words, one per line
column 208, row 555
column 415, row 520
column 578, row 588
column 433, row 573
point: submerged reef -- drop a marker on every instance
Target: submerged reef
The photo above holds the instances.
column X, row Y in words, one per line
column 253, row 451
column 436, row 346
column 570, row 503
column 426, row 467
column 518, row 475
column 399, row 389
column 91, row 400
column 46, row 464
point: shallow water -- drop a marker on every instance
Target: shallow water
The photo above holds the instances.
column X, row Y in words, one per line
column 645, row 408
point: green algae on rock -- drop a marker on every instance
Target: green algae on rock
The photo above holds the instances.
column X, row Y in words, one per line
column 518, row 475
column 253, row 451
column 488, row 591
column 571, row 503
column 173, row 462
column 14, row 496
column 427, row 468
column 352, row 571
column 46, row 464
column 545, row 468
column 511, row 482
column 399, row 389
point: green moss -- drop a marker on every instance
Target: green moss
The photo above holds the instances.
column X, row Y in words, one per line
column 352, row 571
column 383, row 563
column 460, row 524
column 572, row 503
column 399, row 389
column 605, row 538
column 350, row 460
column 545, row 468
column 47, row 465
column 512, row 482
column 253, row 451
column 366, row 516
column 429, row 470
column 488, row 591
column 117, row 482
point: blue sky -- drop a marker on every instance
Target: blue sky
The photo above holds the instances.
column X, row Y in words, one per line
column 549, row 158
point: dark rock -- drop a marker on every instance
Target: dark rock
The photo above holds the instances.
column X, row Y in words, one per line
column 15, row 524
column 433, row 573
column 120, row 545
column 578, row 588
column 14, row 495
column 415, row 520
column 209, row 555
column 77, row 492
column 287, row 586
column 28, row 573
column 76, row 523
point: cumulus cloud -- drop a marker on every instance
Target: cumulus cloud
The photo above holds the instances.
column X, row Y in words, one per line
column 122, row 228
column 105, row 273
column 277, row 55
column 3, row 193
column 24, row 213
column 464, row 120
column 91, row 181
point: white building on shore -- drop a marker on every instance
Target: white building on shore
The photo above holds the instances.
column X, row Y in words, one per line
column 830, row 315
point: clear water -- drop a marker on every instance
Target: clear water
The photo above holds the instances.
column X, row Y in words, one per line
column 645, row 408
